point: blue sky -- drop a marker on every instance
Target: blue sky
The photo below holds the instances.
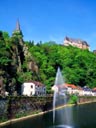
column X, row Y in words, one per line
column 47, row 20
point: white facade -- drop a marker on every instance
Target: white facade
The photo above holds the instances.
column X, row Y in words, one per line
column 30, row 89
column 76, row 43
column 88, row 93
column 69, row 90
column 72, row 89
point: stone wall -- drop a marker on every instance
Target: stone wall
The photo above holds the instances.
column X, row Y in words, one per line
column 3, row 108
column 13, row 107
column 83, row 99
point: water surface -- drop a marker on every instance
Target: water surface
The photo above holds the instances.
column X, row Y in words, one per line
column 83, row 116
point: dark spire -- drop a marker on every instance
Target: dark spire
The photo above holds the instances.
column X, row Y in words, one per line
column 18, row 26
column 17, row 31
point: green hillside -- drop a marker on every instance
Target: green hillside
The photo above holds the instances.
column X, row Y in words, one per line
column 22, row 61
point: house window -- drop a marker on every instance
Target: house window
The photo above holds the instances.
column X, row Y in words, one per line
column 31, row 86
column 37, row 93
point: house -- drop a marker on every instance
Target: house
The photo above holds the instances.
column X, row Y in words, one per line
column 80, row 91
column 33, row 88
column 94, row 91
column 76, row 43
column 71, row 88
column 87, row 91
column 68, row 88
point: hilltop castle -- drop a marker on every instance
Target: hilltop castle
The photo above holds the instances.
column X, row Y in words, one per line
column 67, row 41
column 76, row 43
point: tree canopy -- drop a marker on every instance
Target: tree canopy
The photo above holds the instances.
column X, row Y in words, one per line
column 26, row 60
column 78, row 66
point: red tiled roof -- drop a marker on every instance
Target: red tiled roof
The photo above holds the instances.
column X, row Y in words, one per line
column 71, row 85
column 65, row 85
column 94, row 89
column 35, row 82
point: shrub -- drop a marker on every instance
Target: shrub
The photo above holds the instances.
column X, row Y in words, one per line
column 73, row 99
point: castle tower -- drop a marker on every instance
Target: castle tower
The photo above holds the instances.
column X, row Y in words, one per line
column 17, row 32
column 18, row 26
column 18, row 41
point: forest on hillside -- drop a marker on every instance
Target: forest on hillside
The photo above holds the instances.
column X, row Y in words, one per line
column 22, row 61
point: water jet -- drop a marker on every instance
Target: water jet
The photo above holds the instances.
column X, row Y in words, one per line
column 64, row 117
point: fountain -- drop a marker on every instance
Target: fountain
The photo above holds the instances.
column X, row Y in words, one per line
column 60, row 98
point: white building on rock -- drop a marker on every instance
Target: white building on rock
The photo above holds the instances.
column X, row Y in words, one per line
column 76, row 43
column 33, row 88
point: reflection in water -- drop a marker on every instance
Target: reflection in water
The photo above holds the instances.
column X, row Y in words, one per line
column 61, row 126
column 64, row 116
column 84, row 116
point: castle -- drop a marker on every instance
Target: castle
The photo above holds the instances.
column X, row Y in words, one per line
column 76, row 43
column 67, row 41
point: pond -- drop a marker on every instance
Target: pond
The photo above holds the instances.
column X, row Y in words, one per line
column 83, row 116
